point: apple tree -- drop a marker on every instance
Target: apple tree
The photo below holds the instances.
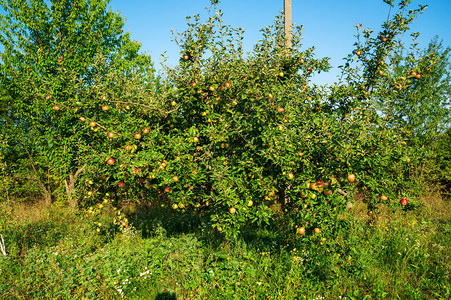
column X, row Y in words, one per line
column 62, row 59
column 408, row 89
column 264, row 136
column 240, row 138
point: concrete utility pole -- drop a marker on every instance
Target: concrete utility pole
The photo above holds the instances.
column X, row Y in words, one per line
column 287, row 13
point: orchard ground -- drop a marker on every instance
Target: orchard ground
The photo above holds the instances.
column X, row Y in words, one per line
column 57, row 253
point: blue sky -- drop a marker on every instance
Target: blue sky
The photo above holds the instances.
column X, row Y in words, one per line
column 328, row 24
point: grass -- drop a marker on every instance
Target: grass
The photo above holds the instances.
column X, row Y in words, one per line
column 55, row 253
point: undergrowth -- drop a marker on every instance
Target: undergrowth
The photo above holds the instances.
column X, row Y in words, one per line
column 58, row 253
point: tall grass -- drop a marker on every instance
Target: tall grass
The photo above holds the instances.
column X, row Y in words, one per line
column 60, row 254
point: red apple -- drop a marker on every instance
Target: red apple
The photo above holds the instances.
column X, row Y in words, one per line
column 418, row 76
column 280, row 109
column 185, row 57
column 404, row 201
column 138, row 136
column 105, row 108
column 328, row 192
column 300, row 154
column 351, row 177
column 110, row 161
column 358, row 52
column 92, row 124
column 82, row 119
column 56, row 107
column 193, row 84
column 136, row 170
column 227, row 84
column 383, row 39
column 167, row 189
column 110, row 135
column 232, row 210
column 128, row 147
column 319, row 183
column 120, row 184
column 146, row 130
column 196, row 139
column 300, row 230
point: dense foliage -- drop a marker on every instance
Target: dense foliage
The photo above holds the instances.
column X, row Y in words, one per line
column 235, row 137
column 60, row 59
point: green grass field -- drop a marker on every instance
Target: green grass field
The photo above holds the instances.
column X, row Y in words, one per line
column 58, row 254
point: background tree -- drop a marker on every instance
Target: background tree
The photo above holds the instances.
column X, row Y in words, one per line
column 56, row 54
column 405, row 84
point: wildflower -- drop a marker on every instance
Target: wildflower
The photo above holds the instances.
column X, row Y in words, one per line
column 147, row 272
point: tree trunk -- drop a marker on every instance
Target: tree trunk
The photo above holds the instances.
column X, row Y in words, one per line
column 47, row 196
column 44, row 191
column 35, row 175
column 70, row 188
